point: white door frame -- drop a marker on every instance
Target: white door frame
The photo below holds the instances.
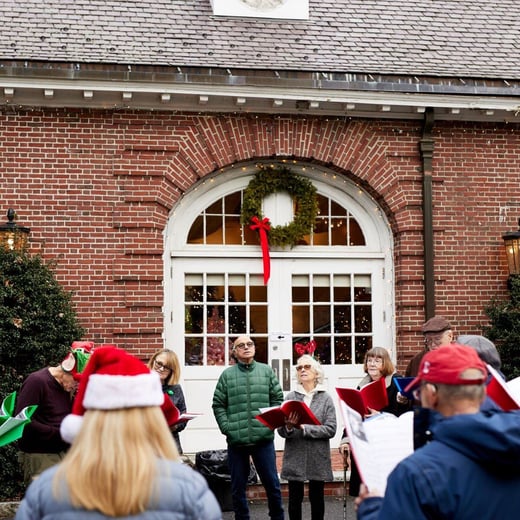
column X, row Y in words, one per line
column 199, row 382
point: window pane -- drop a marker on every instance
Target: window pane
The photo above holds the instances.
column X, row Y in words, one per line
column 258, row 293
column 193, row 350
column 259, row 319
column 342, row 321
column 232, row 204
column 338, row 229
column 261, row 349
column 214, row 232
column 342, row 288
column 336, row 210
column 321, row 318
column 237, row 319
column 323, row 350
column 193, row 319
column 196, row 234
column 250, row 236
column 233, row 230
column 215, row 354
column 355, row 234
column 215, row 208
column 301, row 319
column 362, row 345
column 343, row 351
column 363, row 318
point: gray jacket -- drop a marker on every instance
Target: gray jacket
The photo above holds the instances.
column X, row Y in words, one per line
column 183, row 495
column 307, row 452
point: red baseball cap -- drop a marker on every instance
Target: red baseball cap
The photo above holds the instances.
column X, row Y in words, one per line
column 446, row 364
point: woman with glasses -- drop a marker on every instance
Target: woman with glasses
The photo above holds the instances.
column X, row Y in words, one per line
column 166, row 363
column 377, row 365
column 306, row 455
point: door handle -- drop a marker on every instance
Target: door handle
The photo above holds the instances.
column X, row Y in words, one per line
column 275, row 367
column 286, row 383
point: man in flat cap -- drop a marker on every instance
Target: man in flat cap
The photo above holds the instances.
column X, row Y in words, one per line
column 437, row 331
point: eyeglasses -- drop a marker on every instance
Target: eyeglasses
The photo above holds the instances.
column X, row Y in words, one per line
column 157, row 365
column 299, row 368
column 242, row 346
column 417, row 392
column 375, row 360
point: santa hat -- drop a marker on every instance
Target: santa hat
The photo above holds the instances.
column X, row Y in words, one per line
column 76, row 360
column 114, row 379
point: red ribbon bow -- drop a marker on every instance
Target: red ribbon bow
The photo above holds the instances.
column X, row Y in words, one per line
column 263, row 226
column 305, row 348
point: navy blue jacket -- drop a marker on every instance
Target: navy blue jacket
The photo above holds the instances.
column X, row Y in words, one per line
column 470, row 470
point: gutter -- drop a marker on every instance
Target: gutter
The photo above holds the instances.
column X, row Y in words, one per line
column 426, row 146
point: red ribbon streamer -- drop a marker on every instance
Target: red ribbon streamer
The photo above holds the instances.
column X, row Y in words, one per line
column 263, row 226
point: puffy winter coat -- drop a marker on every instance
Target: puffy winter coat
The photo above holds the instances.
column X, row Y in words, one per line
column 470, row 470
column 240, row 392
column 183, row 495
column 307, row 452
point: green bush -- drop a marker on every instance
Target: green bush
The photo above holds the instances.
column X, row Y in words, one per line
column 504, row 328
column 37, row 325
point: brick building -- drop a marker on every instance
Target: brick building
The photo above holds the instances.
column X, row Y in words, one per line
column 130, row 130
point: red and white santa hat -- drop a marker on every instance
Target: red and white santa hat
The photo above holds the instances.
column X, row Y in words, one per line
column 114, row 379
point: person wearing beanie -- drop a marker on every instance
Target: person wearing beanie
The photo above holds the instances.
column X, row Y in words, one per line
column 486, row 351
column 437, row 331
column 52, row 390
column 469, row 467
column 123, row 461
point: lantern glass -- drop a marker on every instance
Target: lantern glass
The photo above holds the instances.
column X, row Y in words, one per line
column 12, row 236
column 13, row 240
column 512, row 245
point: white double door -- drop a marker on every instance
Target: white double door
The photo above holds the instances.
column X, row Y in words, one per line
column 340, row 303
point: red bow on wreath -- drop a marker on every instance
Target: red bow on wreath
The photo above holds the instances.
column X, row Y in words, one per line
column 263, row 226
column 305, row 348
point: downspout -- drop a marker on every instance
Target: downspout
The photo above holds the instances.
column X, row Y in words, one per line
column 426, row 148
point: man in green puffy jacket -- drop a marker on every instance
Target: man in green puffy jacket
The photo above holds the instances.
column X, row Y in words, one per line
column 241, row 391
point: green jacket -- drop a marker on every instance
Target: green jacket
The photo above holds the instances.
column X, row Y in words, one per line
column 240, row 392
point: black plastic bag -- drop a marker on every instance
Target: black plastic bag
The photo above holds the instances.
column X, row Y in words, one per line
column 214, row 464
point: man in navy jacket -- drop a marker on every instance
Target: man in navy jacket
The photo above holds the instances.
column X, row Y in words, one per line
column 471, row 466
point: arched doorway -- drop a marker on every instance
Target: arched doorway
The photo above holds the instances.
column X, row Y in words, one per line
column 336, row 287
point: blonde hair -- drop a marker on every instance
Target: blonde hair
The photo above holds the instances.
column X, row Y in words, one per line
column 306, row 359
column 382, row 353
column 111, row 466
column 172, row 362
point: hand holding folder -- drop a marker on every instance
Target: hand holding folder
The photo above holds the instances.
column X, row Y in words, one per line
column 371, row 397
column 275, row 416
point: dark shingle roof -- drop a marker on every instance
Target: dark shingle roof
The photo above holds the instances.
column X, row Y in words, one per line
column 460, row 38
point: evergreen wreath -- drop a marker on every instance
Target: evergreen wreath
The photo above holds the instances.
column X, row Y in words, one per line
column 271, row 179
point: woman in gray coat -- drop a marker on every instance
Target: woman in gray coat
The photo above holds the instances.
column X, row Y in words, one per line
column 307, row 446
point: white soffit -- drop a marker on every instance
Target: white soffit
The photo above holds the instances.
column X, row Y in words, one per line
column 284, row 9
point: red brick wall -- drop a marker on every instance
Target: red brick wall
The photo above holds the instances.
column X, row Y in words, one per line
column 97, row 187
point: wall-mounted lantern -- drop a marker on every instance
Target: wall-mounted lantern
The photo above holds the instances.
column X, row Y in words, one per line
column 12, row 236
